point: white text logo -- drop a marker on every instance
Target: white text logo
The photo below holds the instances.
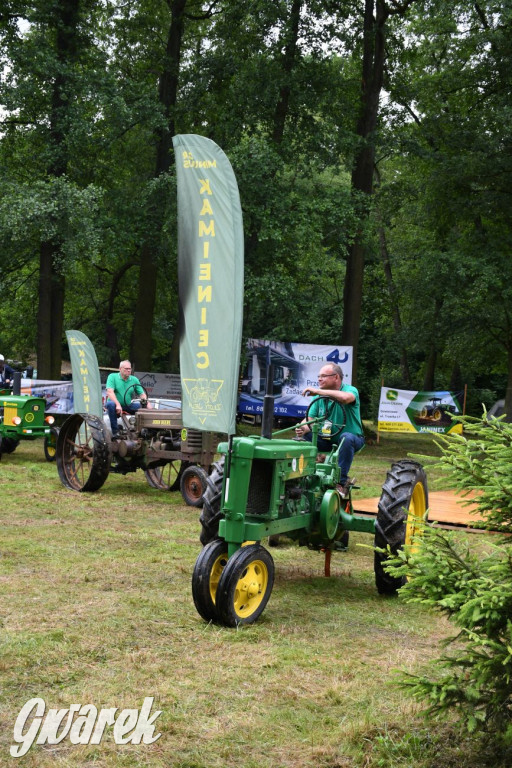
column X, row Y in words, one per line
column 130, row 725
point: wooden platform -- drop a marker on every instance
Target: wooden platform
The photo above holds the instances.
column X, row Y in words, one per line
column 445, row 508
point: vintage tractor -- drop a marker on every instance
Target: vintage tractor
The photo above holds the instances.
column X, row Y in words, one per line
column 23, row 417
column 437, row 410
column 171, row 456
column 264, row 486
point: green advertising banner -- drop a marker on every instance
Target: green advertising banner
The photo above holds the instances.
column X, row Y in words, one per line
column 211, row 275
column 86, row 375
column 405, row 411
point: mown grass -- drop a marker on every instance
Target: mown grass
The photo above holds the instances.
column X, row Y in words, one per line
column 96, row 608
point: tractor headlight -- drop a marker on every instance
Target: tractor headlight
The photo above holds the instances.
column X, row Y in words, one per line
column 16, row 420
column 49, row 419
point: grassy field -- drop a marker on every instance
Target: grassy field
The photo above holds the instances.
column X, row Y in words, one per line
column 96, row 608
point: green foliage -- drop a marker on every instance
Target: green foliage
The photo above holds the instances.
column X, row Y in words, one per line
column 480, row 461
column 471, row 583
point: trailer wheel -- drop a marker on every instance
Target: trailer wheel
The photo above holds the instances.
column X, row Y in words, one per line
column 83, row 454
column 193, row 484
column 402, row 511
column 166, row 477
column 205, row 578
column 211, row 513
column 50, row 444
column 245, row 585
column 8, row 444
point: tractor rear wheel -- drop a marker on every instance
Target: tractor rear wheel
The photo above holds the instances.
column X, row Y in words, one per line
column 50, row 444
column 166, row 477
column 245, row 586
column 193, row 484
column 401, row 515
column 8, row 444
column 205, row 578
column 83, row 454
column 211, row 513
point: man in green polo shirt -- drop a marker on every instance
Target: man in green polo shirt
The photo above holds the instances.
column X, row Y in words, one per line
column 122, row 388
column 351, row 437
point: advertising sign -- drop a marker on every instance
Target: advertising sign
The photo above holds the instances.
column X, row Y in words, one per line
column 295, row 367
column 404, row 411
column 211, row 283
column 87, row 395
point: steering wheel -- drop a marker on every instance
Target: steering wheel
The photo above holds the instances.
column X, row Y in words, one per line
column 336, row 427
column 126, row 403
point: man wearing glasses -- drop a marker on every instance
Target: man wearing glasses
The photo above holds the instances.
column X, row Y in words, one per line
column 124, row 393
column 351, row 438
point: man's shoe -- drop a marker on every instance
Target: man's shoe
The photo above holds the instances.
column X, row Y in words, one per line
column 344, row 490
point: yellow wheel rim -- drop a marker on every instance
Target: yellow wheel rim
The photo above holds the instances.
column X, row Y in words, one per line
column 416, row 515
column 250, row 589
column 215, row 574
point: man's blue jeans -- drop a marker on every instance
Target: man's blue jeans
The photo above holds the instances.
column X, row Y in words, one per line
column 111, row 410
column 349, row 445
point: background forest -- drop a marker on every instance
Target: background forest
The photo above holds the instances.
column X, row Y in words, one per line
column 371, row 141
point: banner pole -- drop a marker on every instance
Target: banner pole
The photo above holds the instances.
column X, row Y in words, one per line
column 378, row 433
column 465, row 396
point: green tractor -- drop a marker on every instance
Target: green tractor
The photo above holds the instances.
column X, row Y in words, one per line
column 23, row 417
column 264, row 486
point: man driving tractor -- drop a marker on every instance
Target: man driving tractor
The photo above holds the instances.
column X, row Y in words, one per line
column 351, row 437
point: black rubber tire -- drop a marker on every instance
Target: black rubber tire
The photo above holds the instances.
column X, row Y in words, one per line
column 166, row 476
column 50, row 444
column 8, row 444
column 340, row 427
column 83, row 453
column 205, row 578
column 193, row 484
column 404, row 498
column 211, row 513
column 245, row 586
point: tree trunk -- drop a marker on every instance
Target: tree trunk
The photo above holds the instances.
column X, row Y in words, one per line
column 376, row 13
column 141, row 347
column 50, row 314
column 395, row 310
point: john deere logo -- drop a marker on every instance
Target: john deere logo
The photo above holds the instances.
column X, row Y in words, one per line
column 391, row 394
column 29, row 417
column 183, row 435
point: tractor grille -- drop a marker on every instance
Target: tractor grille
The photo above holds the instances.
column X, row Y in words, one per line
column 194, row 440
column 9, row 414
column 260, row 486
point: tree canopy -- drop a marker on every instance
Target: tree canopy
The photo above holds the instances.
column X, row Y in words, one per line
column 371, row 145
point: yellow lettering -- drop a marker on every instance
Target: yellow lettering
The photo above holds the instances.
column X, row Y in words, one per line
column 203, row 338
column 205, row 229
column 205, row 271
column 205, row 187
column 84, row 371
column 203, row 356
column 206, row 208
column 203, row 315
column 206, row 249
column 204, row 293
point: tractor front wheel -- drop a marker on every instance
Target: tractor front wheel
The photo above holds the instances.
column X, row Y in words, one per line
column 205, row 578
column 166, row 477
column 83, row 454
column 193, row 484
column 211, row 513
column 245, row 586
column 50, row 444
column 401, row 515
